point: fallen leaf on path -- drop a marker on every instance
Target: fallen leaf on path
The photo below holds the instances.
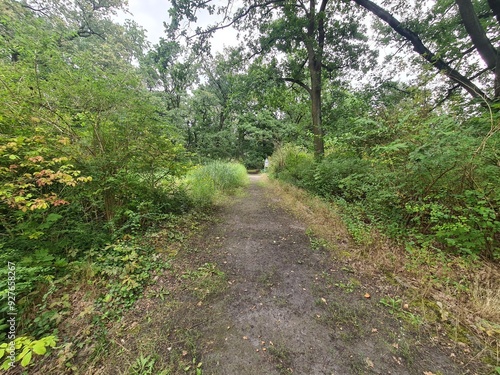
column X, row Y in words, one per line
column 323, row 300
column 397, row 360
column 428, row 373
column 374, row 330
column 367, row 295
column 245, row 338
column 369, row 362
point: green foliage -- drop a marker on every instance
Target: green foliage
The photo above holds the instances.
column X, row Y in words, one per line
column 204, row 271
column 206, row 182
column 343, row 176
column 126, row 268
column 292, row 164
column 25, row 347
column 428, row 176
column 143, row 365
column 86, row 155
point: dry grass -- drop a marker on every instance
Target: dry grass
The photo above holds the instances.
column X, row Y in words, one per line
column 467, row 291
column 485, row 293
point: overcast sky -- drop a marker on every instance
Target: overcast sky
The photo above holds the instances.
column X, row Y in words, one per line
column 151, row 14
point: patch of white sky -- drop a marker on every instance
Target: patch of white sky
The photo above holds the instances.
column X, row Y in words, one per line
column 153, row 14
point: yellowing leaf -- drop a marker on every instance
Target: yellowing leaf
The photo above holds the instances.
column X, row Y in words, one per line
column 369, row 362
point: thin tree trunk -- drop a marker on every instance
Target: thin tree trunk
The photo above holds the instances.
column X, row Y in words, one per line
column 315, row 71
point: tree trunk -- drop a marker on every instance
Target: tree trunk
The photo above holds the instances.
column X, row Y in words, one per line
column 314, row 57
column 495, row 7
column 315, row 71
column 477, row 34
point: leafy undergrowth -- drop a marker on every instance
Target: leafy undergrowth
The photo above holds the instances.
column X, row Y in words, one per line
column 437, row 292
column 159, row 334
column 91, row 311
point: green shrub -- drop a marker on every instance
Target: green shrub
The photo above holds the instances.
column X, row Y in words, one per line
column 126, row 269
column 292, row 164
column 434, row 178
column 346, row 177
column 206, row 182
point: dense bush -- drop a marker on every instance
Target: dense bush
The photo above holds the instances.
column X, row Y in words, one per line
column 431, row 177
column 85, row 161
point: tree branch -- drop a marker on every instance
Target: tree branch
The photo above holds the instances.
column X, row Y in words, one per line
column 476, row 32
column 235, row 19
column 298, row 82
column 421, row 49
column 452, row 89
column 321, row 25
column 462, row 54
column 495, row 7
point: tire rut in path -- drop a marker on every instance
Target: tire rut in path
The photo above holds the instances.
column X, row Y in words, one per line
column 273, row 319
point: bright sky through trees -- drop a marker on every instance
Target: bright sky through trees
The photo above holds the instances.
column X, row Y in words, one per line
column 151, row 14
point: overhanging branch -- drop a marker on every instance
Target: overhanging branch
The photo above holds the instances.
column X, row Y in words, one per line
column 235, row 19
column 422, row 50
column 299, row 83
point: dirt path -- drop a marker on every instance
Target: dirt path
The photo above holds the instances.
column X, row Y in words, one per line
column 291, row 308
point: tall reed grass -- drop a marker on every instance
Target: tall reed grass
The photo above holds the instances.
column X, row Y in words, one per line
column 214, row 179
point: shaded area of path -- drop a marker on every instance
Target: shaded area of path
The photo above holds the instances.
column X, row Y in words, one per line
column 292, row 309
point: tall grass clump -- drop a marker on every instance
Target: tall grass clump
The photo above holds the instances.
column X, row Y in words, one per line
column 216, row 178
column 293, row 164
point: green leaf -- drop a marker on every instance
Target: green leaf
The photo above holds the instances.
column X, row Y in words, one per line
column 39, row 347
column 5, row 365
column 2, row 352
column 26, row 359
column 50, row 341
